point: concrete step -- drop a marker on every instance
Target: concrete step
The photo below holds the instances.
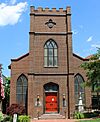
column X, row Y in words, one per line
column 52, row 116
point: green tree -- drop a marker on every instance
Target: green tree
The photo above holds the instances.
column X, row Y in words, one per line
column 92, row 67
column 6, row 100
column 7, row 90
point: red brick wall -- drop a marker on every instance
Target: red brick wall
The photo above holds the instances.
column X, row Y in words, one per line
column 17, row 68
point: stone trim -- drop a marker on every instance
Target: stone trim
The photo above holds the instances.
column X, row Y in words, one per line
column 50, row 33
column 46, row 74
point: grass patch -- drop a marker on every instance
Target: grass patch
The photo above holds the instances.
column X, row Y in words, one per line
column 94, row 120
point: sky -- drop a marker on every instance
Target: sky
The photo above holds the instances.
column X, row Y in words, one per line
column 14, row 27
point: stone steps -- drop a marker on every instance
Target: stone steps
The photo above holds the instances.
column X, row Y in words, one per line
column 52, row 116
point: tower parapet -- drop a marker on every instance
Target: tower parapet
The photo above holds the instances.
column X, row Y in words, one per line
column 50, row 11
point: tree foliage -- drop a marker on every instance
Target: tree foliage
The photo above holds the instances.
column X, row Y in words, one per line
column 92, row 68
column 7, row 90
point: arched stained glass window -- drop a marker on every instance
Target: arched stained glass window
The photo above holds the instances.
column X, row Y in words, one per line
column 79, row 89
column 21, row 90
column 50, row 54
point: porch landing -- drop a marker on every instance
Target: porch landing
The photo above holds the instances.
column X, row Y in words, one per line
column 52, row 118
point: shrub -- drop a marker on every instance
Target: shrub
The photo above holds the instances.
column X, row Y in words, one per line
column 1, row 117
column 15, row 108
column 23, row 118
column 7, row 118
column 78, row 115
column 91, row 114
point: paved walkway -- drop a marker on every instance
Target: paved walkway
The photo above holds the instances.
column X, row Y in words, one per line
column 56, row 120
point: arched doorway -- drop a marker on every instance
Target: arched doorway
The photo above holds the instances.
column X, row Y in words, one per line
column 51, row 98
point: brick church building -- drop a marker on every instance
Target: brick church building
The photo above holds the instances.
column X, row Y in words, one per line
column 48, row 79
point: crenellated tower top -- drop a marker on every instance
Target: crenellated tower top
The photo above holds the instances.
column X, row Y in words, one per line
column 50, row 11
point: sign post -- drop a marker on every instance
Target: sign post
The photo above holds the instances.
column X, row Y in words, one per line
column 15, row 118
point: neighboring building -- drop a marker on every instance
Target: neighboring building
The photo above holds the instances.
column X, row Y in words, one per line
column 48, row 78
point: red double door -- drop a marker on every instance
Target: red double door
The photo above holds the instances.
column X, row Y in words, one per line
column 51, row 102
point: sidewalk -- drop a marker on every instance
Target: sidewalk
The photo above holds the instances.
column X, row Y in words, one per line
column 55, row 120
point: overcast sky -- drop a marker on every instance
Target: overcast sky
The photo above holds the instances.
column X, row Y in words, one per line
column 14, row 26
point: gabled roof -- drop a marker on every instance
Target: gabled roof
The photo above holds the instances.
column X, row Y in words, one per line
column 21, row 57
column 79, row 57
column 75, row 55
column 17, row 59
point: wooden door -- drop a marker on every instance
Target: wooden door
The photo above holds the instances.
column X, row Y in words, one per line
column 51, row 102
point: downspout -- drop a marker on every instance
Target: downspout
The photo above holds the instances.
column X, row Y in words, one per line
column 68, row 30
column 68, row 97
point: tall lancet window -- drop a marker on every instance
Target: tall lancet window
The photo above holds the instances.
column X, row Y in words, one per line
column 50, row 54
column 21, row 90
column 79, row 89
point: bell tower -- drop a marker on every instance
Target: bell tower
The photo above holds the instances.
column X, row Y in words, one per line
column 50, row 57
column 49, row 24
